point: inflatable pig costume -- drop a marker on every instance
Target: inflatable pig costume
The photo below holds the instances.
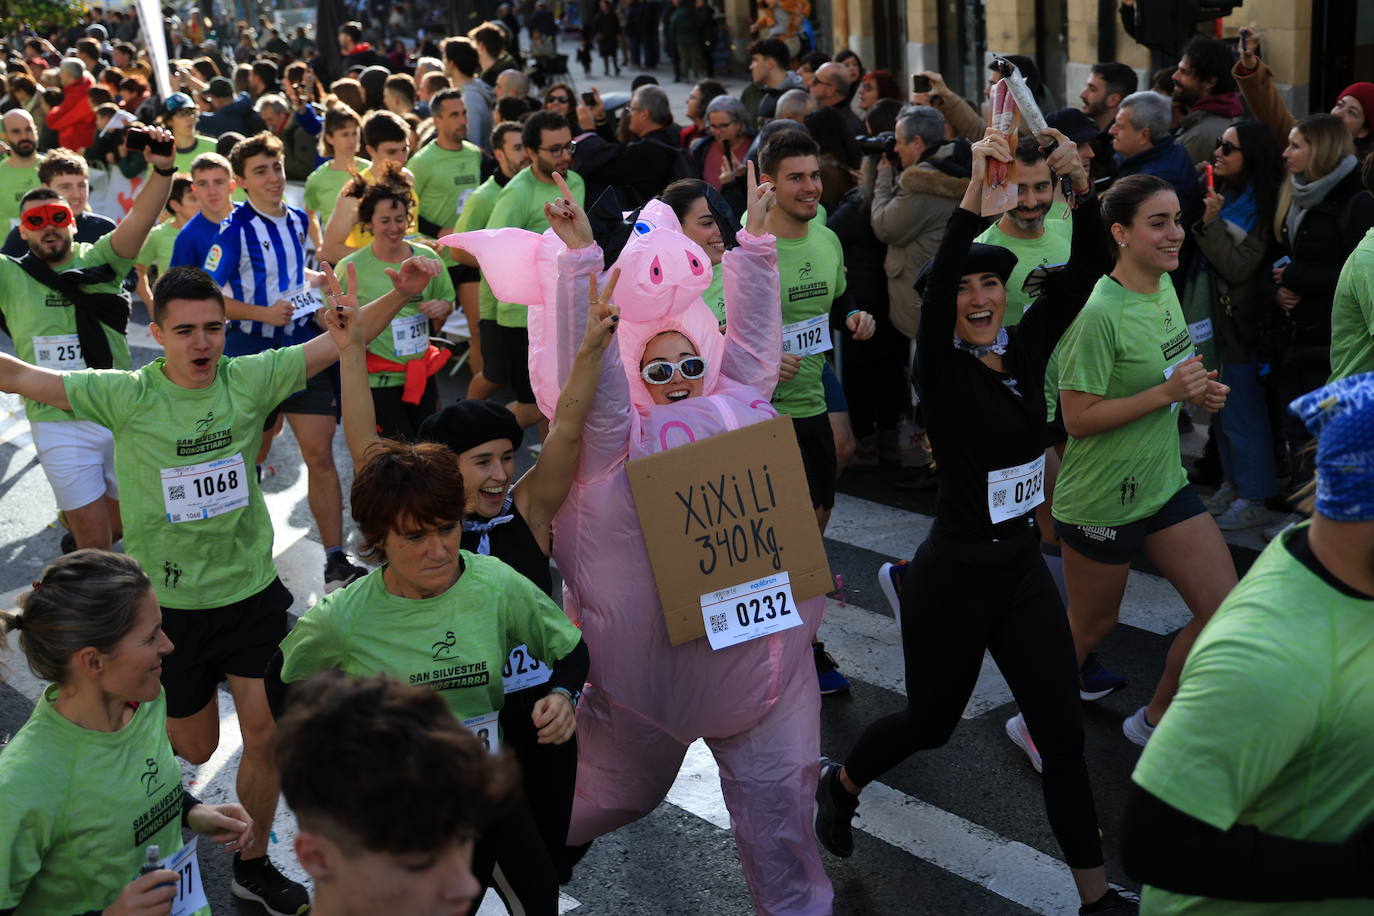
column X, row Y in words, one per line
column 756, row 704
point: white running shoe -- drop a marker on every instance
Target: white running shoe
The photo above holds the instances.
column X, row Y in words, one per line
column 1242, row 514
column 1021, row 737
column 1218, row 502
column 1138, row 728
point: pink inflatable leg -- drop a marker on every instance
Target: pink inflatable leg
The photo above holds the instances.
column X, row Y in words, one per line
column 768, row 775
column 625, row 767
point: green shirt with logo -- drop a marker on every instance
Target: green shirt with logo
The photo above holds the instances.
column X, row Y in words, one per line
column 475, row 215
column 189, row 453
column 1051, row 248
column 521, row 205
column 324, row 185
column 1121, row 344
column 82, row 806
column 373, row 283
column 43, row 323
column 15, row 182
column 811, row 277
column 1352, row 313
column 445, row 179
column 456, row 642
column 1271, row 725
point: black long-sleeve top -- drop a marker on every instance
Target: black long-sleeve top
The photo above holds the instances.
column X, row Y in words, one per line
column 980, row 420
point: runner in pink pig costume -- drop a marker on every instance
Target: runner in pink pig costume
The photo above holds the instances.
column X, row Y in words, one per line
column 756, row 704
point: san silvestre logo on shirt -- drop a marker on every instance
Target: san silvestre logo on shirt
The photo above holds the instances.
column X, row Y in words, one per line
column 807, row 291
column 205, row 441
column 445, row 648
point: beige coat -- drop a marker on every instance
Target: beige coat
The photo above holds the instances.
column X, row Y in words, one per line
column 909, row 216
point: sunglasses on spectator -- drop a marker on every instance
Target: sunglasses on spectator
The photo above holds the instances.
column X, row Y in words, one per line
column 559, row 100
column 660, row 371
column 45, row 215
column 1227, row 147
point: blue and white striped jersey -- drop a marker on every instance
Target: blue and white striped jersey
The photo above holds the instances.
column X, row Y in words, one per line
column 260, row 259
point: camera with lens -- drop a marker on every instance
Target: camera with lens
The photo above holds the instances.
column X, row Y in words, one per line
column 884, row 144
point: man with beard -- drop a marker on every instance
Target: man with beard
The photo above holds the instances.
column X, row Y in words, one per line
column 19, row 171
column 66, row 173
column 1203, row 85
column 53, row 332
column 1024, row 231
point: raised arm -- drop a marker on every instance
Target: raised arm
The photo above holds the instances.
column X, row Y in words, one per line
column 32, row 382
column 1256, row 83
column 128, row 237
column 753, row 321
column 410, row 280
column 359, row 413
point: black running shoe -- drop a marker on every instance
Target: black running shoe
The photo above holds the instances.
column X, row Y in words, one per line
column 835, row 808
column 338, row 572
column 259, row 880
column 828, row 675
column 1112, row 903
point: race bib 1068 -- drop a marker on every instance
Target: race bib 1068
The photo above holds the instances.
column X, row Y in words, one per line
column 200, row 491
column 805, row 338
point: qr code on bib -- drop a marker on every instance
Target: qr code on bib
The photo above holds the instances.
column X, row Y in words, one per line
column 177, row 492
column 999, row 498
column 718, row 624
column 44, row 355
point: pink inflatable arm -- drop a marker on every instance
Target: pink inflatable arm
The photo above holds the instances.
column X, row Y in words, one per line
column 753, row 311
column 507, row 258
column 606, row 432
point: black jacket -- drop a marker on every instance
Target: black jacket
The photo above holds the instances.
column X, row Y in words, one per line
column 1327, row 235
column 638, row 170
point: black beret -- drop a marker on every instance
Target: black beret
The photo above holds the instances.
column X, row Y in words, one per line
column 469, row 424
column 979, row 259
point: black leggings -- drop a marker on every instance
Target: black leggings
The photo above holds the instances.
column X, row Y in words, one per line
column 957, row 600
column 526, row 880
column 548, row 772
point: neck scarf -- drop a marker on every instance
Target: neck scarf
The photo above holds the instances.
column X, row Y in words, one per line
column 484, row 527
column 1307, row 194
column 998, row 346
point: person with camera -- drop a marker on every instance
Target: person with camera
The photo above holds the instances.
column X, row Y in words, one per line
column 916, row 188
column 65, row 309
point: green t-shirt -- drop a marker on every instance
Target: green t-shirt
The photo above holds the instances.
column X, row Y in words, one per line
column 157, row 248
column 407, row 328
column 82, row 806
column 14, row 184
column 1352, row 313
column 715, row 293
column 165, row 436
column 811, row 274
column 43, row 323
column 324, row 185
column 1120, row 344
column 521, row 204
column 445, row 180
column 202, row 145
column 476, row 213
column 456, row 642
column 1051, row 248
column 1272, row 723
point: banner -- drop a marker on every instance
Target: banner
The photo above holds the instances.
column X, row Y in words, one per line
column 155, row 37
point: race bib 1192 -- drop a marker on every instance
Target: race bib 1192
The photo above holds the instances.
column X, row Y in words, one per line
column 805, row 338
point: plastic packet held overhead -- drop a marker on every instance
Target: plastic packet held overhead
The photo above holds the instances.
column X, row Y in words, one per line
column 999, row 190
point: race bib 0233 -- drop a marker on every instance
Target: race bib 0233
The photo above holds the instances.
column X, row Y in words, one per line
column 1012, row 492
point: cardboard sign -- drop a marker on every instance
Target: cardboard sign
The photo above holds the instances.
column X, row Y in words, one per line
column 724, row 511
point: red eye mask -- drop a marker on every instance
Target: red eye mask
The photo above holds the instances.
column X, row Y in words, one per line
column 48, row 214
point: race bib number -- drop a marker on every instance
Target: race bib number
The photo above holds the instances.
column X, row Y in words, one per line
column 749, row 610
column 463, row 200
column 804, row 338
column 1169, row 370
column 487, row 730
column 1012, row 492
column 190, row 891
column 1201, row 331
column 410, row 335
column 204, row 490
column 58, row 351
column 523, row 670
column 304, row 302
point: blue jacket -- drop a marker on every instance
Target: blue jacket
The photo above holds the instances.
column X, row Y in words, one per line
column 1170, row 161
column 238, row 115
